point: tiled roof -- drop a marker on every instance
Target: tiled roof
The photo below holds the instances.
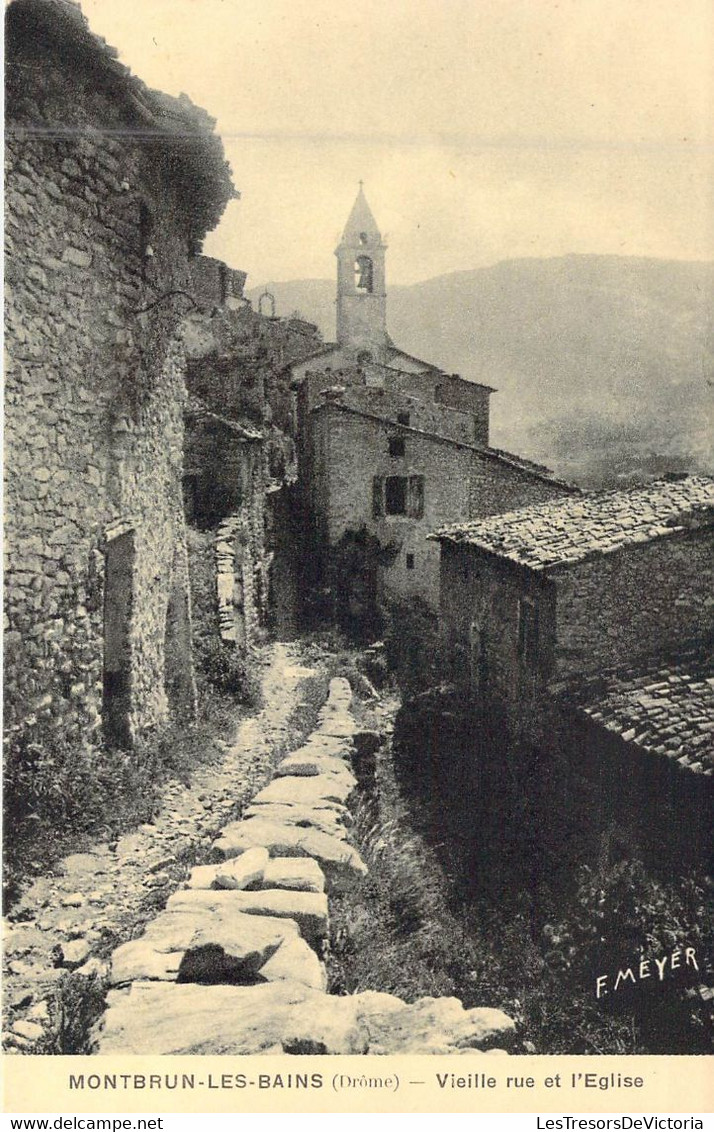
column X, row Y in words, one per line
column 665, row 709
column 567, row 530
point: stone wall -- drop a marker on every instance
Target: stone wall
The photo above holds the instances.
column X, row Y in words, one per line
column 239, row 450
column 479, row 623
column 97, row 272
column 391, row 391
column 504, row 484
column 352, row 450
column 605, row 793
column 349, row 450
column 624, row 607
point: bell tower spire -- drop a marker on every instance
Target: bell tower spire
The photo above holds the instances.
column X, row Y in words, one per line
column 361, row 287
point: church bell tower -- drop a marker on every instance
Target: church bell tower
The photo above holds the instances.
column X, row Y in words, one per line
column 361, row 287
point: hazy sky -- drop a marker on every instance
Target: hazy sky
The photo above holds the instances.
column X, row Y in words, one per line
column 483, row 129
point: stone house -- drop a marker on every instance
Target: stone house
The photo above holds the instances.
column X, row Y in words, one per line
column 582, row 629
column 239, row 459
column 390, row 446
column 110, row 190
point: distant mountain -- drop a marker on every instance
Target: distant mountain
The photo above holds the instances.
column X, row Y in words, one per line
column 604, row 365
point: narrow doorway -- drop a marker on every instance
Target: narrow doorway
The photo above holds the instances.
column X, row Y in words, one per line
column 118, row 603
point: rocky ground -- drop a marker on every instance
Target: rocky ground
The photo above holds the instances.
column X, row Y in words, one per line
column 71, row 919
column 234, row 964
column 208, row 929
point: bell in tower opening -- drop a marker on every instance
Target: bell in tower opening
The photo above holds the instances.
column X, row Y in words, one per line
column 364, row 273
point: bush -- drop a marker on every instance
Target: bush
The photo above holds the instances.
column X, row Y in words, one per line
column 227, row 670
column 411, row 645
column 618, row 916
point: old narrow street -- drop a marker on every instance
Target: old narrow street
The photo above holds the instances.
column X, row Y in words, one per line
column 70, row 919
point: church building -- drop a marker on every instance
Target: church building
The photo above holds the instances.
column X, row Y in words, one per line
column 390, row 447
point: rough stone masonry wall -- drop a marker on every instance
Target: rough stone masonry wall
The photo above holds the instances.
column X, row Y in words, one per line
column 640, row 602
column 480, row 598
column 498, row 487
column 459, row 483
column 242, row 563
column 353, row 450
column 94, row 395
column 234, row 965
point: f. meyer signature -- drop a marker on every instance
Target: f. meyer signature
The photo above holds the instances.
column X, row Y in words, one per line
column 654, row 968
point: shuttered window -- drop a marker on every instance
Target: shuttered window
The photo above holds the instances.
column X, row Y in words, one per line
column 415, row 508
column 398, row 495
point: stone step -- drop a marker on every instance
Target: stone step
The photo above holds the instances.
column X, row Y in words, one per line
column 307, row 909
column 290, row 1017
column 296, row 961
column 202, row 944
column 297, row 874
column 331, row 746
column 313, row 765
column 328, row 821
column 339, row 693
column 313, row 791
column 242, row 872
column 340, row 862
column 301, row 874
column 338, row 725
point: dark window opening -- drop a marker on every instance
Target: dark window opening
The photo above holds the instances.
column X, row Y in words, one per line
column 410, row 562
column 398, row 495
column 363, row 238
column 403, row 418
column 118, row 603
column 395, row 495
column 397, row 446
column 528, row 630
column 364, row 273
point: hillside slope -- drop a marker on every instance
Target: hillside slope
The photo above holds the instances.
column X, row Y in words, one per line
column 604, row 364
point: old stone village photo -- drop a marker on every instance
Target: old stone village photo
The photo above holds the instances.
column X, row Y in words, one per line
column 358, row 684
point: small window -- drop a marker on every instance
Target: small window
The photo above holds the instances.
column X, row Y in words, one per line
column 397, row 446
column 395, row 495
column 410, row 562
column 403, row 418
column 398, row 495
column 528, row 630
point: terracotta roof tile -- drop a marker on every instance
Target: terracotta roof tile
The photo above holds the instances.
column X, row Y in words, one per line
column 667, row 709
column 569, row 529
